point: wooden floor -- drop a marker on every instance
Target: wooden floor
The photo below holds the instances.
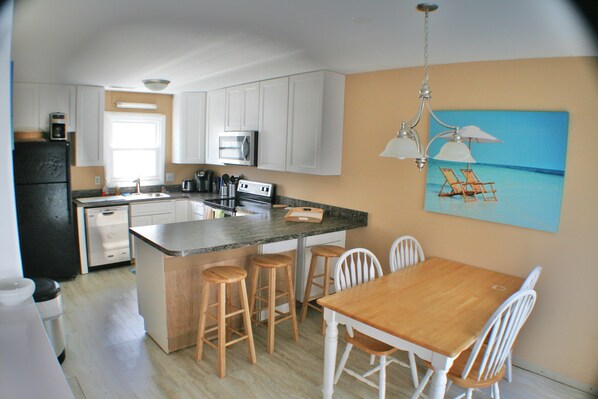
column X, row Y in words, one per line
column 108, row 355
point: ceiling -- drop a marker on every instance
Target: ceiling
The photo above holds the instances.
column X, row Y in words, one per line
column 202, row 45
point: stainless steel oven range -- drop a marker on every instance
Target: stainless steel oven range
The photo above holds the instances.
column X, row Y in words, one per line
column 252, row 197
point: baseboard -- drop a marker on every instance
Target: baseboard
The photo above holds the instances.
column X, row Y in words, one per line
column 518, row 362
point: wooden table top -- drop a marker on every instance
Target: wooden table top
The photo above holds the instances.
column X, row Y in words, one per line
column 440, row 305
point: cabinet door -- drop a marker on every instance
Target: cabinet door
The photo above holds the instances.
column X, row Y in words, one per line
column 25, row 106
column 242, row 107
column 315, row 127
column 163, row 218
column 214, row 124
column 181, row 210
column 57, row 98
column 274, row 97
column 305, row 122
column 251, row 107
column 188, row 128
column 90, row 126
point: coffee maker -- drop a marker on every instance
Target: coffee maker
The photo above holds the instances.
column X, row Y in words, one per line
column 203, row 180
column 57, row 126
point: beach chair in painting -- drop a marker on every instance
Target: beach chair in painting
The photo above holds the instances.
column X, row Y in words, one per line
column 473, row 182
column 456, row 186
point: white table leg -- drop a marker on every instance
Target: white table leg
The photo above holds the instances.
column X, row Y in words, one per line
column 441, row 365
column 330, row 346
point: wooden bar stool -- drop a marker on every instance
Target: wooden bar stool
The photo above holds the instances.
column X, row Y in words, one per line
column 223, row 275
column 273, row 262
column 327, row 252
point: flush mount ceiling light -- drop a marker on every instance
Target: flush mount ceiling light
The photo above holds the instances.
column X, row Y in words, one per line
column 407, row 143
column 156, row 84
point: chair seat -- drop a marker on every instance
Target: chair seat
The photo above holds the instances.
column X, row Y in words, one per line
column 368, row 344
column 328, row 251
column 224, row 274
column 271, row 260
column 471, row 381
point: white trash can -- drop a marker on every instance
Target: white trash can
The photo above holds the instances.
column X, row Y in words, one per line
column 49, row 305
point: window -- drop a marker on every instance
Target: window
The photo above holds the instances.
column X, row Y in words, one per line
column 134, row 147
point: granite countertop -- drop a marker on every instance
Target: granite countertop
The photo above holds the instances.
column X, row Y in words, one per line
column 196, row 237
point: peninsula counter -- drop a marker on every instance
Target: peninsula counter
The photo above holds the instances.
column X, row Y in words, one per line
column 171, row 257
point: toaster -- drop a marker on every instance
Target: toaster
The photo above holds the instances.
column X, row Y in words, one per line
column 188, row 185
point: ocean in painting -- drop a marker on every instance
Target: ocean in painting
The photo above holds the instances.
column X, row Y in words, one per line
column 526, row 197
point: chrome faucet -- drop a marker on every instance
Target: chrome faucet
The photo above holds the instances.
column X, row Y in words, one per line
column 137, row 185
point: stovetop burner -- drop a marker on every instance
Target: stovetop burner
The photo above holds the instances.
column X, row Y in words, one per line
column 249, row 194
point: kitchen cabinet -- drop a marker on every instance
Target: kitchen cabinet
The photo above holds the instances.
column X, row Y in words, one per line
column 315, row 123
column 273, row 111
column 25, row 106
column 57, row 98
column 214, row 124
column 33, row 103
column 196, row 210
column 150, row 213
column 181, row 210
column 241, row 107
column 188, row 128
column 89, row 132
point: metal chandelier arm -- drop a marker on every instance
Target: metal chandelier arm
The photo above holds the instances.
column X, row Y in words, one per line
column 456, row 128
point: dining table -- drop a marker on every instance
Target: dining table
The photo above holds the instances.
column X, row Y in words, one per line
column 435, row 309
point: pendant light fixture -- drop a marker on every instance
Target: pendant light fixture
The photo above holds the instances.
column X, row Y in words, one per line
column 407, row 143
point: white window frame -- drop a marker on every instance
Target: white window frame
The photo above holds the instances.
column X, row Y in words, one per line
column 160, row 122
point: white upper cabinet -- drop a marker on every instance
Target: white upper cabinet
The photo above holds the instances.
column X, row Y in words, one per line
column 272, row 132
column 242, row 107
column 315, row 123
column 25, row 106
column 188, row 128
column 89, row 130
column 214, row 124
column 57, row 98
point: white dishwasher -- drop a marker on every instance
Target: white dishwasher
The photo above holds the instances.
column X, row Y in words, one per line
column 107, row 232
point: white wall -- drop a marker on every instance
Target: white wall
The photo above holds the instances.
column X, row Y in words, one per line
column 10, row 255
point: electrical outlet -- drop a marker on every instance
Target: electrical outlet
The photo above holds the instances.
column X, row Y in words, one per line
column 169, row 177
column 97, row 180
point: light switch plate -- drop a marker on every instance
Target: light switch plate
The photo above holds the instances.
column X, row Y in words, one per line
column 169, row 177
column 97, row 180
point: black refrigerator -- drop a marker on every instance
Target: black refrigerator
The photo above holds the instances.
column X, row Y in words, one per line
column 45, row 217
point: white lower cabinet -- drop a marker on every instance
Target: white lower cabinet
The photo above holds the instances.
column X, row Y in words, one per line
column 196, row 210
column 181, row 209
column 149, row 213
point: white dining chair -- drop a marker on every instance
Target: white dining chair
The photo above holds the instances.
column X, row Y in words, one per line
column 528, row 284
column 405, row 251
column 483, row 365
column 354, row 267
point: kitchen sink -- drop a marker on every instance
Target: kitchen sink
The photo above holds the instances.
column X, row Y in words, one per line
column 131, row 197
column 142, row 196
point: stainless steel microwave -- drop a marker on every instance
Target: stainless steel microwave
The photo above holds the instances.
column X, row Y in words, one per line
column 238, row 148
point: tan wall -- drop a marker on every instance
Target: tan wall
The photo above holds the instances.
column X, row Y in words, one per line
column 83, row 177
column 561, row 335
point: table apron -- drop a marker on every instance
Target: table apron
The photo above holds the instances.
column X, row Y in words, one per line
column 389, row 339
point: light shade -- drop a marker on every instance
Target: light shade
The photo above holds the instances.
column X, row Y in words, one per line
column 156, row 84
column 455, row 151
column 401, row 147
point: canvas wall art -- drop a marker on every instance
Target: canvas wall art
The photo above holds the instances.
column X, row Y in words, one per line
column 517, row 180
